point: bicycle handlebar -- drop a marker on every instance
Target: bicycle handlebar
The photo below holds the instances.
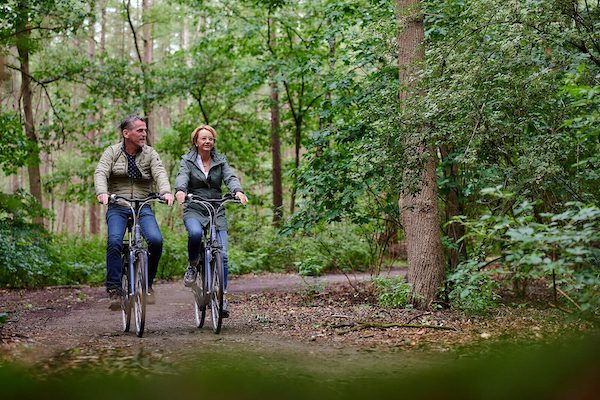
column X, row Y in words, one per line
column 152, row 196
column 227, row 197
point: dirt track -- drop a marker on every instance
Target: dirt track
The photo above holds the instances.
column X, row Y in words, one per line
column 270, row 313
column 324, row 321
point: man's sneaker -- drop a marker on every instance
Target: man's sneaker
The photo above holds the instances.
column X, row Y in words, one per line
column 225, row 310
column 114, row 296
column 150, row 296
column 189, row 279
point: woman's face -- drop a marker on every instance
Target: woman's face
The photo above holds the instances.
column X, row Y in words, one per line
column 205, row 140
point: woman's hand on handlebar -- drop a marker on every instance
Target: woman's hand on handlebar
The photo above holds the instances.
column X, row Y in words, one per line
column 241, row 197
column 180, row 196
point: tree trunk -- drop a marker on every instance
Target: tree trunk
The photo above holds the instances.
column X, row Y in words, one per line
column 418, row 205
column 103, row 26
column 185, row 40
column 93, row 134
column 147, row 60
column 297, row 148
column 275, row 138
column 33, row 165
column 4, row 75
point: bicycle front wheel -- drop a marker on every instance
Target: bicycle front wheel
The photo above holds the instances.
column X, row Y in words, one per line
column 141, row 289
column 126, row 293
column 216, row 291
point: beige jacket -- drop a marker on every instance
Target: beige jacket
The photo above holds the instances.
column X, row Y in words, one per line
column 111, row 176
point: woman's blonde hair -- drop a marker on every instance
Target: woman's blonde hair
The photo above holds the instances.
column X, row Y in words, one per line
column 196, row 131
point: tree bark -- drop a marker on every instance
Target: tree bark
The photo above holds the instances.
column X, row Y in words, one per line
column 275, row 137
column 33, row 165
column 94, row 216
column 147, row 60
column 418, row 205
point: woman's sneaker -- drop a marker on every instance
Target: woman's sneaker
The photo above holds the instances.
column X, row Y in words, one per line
column 189, row 279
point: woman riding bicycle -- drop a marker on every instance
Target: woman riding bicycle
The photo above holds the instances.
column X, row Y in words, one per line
column 202, row 172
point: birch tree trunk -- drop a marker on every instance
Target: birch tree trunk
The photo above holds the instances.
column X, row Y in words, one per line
column 418, row 203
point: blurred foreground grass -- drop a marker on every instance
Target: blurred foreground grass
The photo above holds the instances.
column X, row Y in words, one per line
column 566, row 369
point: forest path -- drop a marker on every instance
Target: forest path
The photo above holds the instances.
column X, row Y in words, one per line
column 57, row 328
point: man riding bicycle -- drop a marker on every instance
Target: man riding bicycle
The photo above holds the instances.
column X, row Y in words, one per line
column 130, row 168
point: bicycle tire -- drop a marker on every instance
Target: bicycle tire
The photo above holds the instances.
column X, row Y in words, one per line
column 201, row 291
column 216, row 291
column 139, row 294
column 125, row 294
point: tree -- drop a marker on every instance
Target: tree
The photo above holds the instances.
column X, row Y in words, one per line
column 26, row 23
column 418, row 200
column 275, row 132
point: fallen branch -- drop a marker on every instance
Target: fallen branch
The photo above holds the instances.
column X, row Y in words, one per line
column 355, row 326
column 560, row 308
column 417, row 316
column 366, row 325
column 568, row 298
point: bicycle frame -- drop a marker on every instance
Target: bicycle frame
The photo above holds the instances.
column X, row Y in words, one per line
column 211, row 247
column 136, row 250
column 212, row 242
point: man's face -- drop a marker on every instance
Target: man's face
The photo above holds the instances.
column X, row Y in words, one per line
column 136, row 135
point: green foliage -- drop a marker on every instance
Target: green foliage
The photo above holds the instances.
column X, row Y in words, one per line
column 26, row 255
column 257, row 246
column 392, row 292
column 15, row 148
column 259, row 250
column 81, row 260
column 20, row 207
column 473, row 288
column 558, row 248
column 174, row 256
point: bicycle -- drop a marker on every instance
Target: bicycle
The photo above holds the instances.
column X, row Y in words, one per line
column 209, row 287
column 134, row 278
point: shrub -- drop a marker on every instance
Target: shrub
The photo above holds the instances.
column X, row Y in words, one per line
column 174, row 256
column 558, row 248
column 26, row 258
column 82, row 259
column 473, row 289
column 392, row 292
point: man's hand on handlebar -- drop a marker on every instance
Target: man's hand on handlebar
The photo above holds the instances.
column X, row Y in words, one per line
column 103, row 198
column 168, row 197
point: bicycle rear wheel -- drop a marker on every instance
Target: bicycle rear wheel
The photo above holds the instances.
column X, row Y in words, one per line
column 125, row 292
column 216, row 291
column 141, row 289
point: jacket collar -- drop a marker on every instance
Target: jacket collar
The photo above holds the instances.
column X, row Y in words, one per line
column 192, row 155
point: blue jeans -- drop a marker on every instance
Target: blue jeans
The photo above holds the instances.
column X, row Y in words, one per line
column 116, row 220
column 195, row 232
